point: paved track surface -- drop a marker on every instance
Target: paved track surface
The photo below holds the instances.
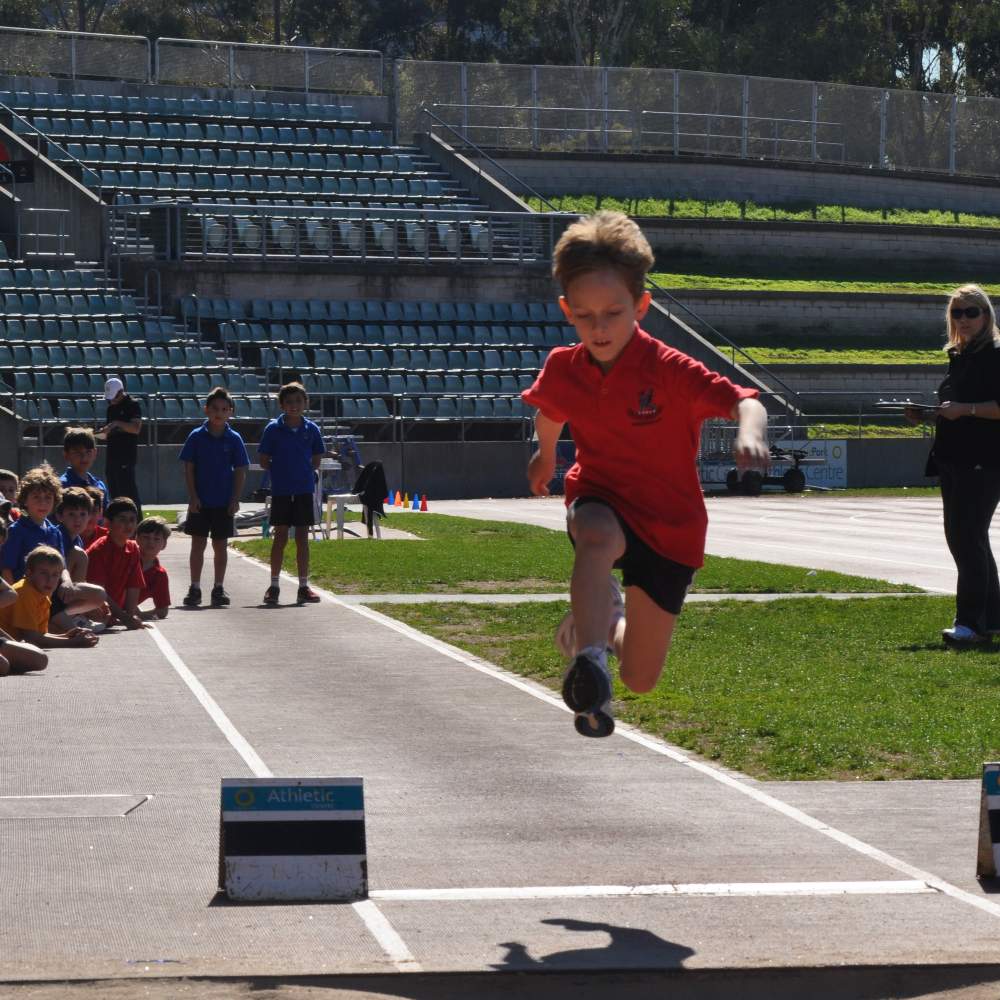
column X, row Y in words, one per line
column 500, row 843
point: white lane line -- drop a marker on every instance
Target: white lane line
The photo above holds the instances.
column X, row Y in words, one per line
column 895, row 887
column 383, row 932
column 665, row 750
column 389, row 941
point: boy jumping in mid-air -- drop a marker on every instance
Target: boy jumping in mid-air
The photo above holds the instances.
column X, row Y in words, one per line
column 635, row 408
column 291, row 449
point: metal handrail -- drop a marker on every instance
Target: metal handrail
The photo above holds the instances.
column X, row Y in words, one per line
column 481, row 152
column 73, row 35
column 734, row 348
column 68, row 155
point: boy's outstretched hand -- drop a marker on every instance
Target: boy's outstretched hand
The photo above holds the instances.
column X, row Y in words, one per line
column 541, row 469
column 81, row 637
column 751, row 452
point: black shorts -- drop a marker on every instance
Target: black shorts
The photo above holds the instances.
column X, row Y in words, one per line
column 58, row 605
column 292, row 511
column 214, row 521
column 664, row 580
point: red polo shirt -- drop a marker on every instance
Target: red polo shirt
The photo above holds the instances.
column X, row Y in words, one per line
column 157, row 586
column 637, row 431
column 117, row 568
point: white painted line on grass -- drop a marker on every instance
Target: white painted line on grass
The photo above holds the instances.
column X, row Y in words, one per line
column 380, row 928
column 897, row 887
column 665, row 750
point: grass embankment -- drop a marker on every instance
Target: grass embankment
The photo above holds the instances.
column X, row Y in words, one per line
column 709, row 280
column 170, row 516
column 790, row 689
column 749, row 211
column 461, row 555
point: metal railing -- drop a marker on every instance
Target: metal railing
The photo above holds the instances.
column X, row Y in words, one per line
column 23, row 127
column 204, row 231
column 205, row 62
column 77, row 55
column 874, row 127
column 51, row 240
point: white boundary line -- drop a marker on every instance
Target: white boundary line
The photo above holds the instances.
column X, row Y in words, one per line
column 378, row 926
column 665, row 750
column 897, row 887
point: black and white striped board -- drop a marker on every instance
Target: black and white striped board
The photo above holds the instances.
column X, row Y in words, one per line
column 293, row 839
column 988, row 861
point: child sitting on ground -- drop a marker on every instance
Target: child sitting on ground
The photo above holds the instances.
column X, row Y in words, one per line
column 26, row 621
column 152, row 536
column 115, row 563
column 215, row 469
column 635, row 407
column 80, row 451
column 72, row 513
column 291, row 449
column 94, row 529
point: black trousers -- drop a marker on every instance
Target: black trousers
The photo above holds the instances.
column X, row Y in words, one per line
column 121, row 482
column 970, row 496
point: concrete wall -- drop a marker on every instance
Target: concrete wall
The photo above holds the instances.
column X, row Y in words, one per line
column 647, row 176
column 52, row 188
column 886, row 462
column 930, row 250
column 743, row 315
column 845, row 388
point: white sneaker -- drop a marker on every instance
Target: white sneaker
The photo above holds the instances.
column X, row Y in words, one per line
column 565, row 637
column 962, row 635
column 82, row 621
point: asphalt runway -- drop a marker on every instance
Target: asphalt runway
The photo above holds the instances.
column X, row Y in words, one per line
column 506, row 854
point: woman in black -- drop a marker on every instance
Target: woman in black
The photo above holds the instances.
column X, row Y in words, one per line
column 124, row 421
column 966, row 456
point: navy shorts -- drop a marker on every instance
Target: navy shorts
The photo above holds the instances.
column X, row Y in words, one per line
column 216, row 522
column 664, row 580
column 292, row 511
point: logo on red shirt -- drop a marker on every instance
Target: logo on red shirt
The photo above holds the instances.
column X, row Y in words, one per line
column 647, row 411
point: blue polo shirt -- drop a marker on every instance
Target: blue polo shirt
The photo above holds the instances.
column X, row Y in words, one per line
column 23, row 536
column 214, row 459
column 70, row 542
column 291, row 450
column 71, row 478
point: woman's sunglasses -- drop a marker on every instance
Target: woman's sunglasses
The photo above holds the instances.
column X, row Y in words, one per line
column 969, row 312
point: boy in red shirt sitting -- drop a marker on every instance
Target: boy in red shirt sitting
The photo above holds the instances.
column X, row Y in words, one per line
column 152, row 535
column 115, row 563
column 635, row 408
column 94, row 528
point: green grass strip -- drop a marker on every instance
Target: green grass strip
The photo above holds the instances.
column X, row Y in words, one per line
column 461, row 555
column 790, row 689
column 676, row 281
column 847, row 355
column 170, row 516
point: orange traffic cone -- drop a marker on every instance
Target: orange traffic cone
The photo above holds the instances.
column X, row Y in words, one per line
column 398, row 502
column 423, row 502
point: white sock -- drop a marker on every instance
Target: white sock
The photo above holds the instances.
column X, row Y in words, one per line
column 598, row 653
column 303, row 581
column 196, row 584
column 275, row 580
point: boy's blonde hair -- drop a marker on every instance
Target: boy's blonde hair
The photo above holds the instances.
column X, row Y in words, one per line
column 153, row 525
column 75, row 498
column 603, row 241
column 972, row 295
column 40, row 479
column 42, row 554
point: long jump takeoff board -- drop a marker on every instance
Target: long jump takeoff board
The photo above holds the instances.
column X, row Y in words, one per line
column 293, row 839
column 988, row 860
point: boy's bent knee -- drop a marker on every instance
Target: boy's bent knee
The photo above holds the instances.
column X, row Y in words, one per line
column 4, row 666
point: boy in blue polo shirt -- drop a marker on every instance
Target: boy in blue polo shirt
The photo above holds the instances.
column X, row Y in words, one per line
column 291, row 448
column 215, row 469
column 80, row 450
column 37, row 496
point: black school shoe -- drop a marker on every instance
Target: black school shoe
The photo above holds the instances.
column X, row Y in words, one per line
column 586, row 685
column 594, row 724
column 271, row 596
column 220, row 599
column 306, row 595
column 193, row 597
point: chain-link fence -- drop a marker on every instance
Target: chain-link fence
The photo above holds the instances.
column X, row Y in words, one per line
column 197, row 62
column 73, row 54
column 680, row 112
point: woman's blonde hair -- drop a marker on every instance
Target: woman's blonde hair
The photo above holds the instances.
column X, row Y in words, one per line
column 972, row 295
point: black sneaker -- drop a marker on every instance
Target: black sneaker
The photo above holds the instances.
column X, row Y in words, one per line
column 307, row 595
column 586, row 685
column 193, row 597
column 271, row 597
column 594, row 724
column 220, row 599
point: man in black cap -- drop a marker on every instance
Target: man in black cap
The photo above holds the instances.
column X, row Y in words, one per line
column 122, row 435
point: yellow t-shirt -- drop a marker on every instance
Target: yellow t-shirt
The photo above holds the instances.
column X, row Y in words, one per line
column 30, row 612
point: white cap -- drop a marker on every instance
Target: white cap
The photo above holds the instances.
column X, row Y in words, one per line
column 112, row 387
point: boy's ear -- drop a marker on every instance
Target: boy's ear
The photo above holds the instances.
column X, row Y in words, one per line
column 566, row 311
column 642, row 306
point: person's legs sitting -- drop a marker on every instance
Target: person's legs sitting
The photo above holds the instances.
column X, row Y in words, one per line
column 23, row 656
